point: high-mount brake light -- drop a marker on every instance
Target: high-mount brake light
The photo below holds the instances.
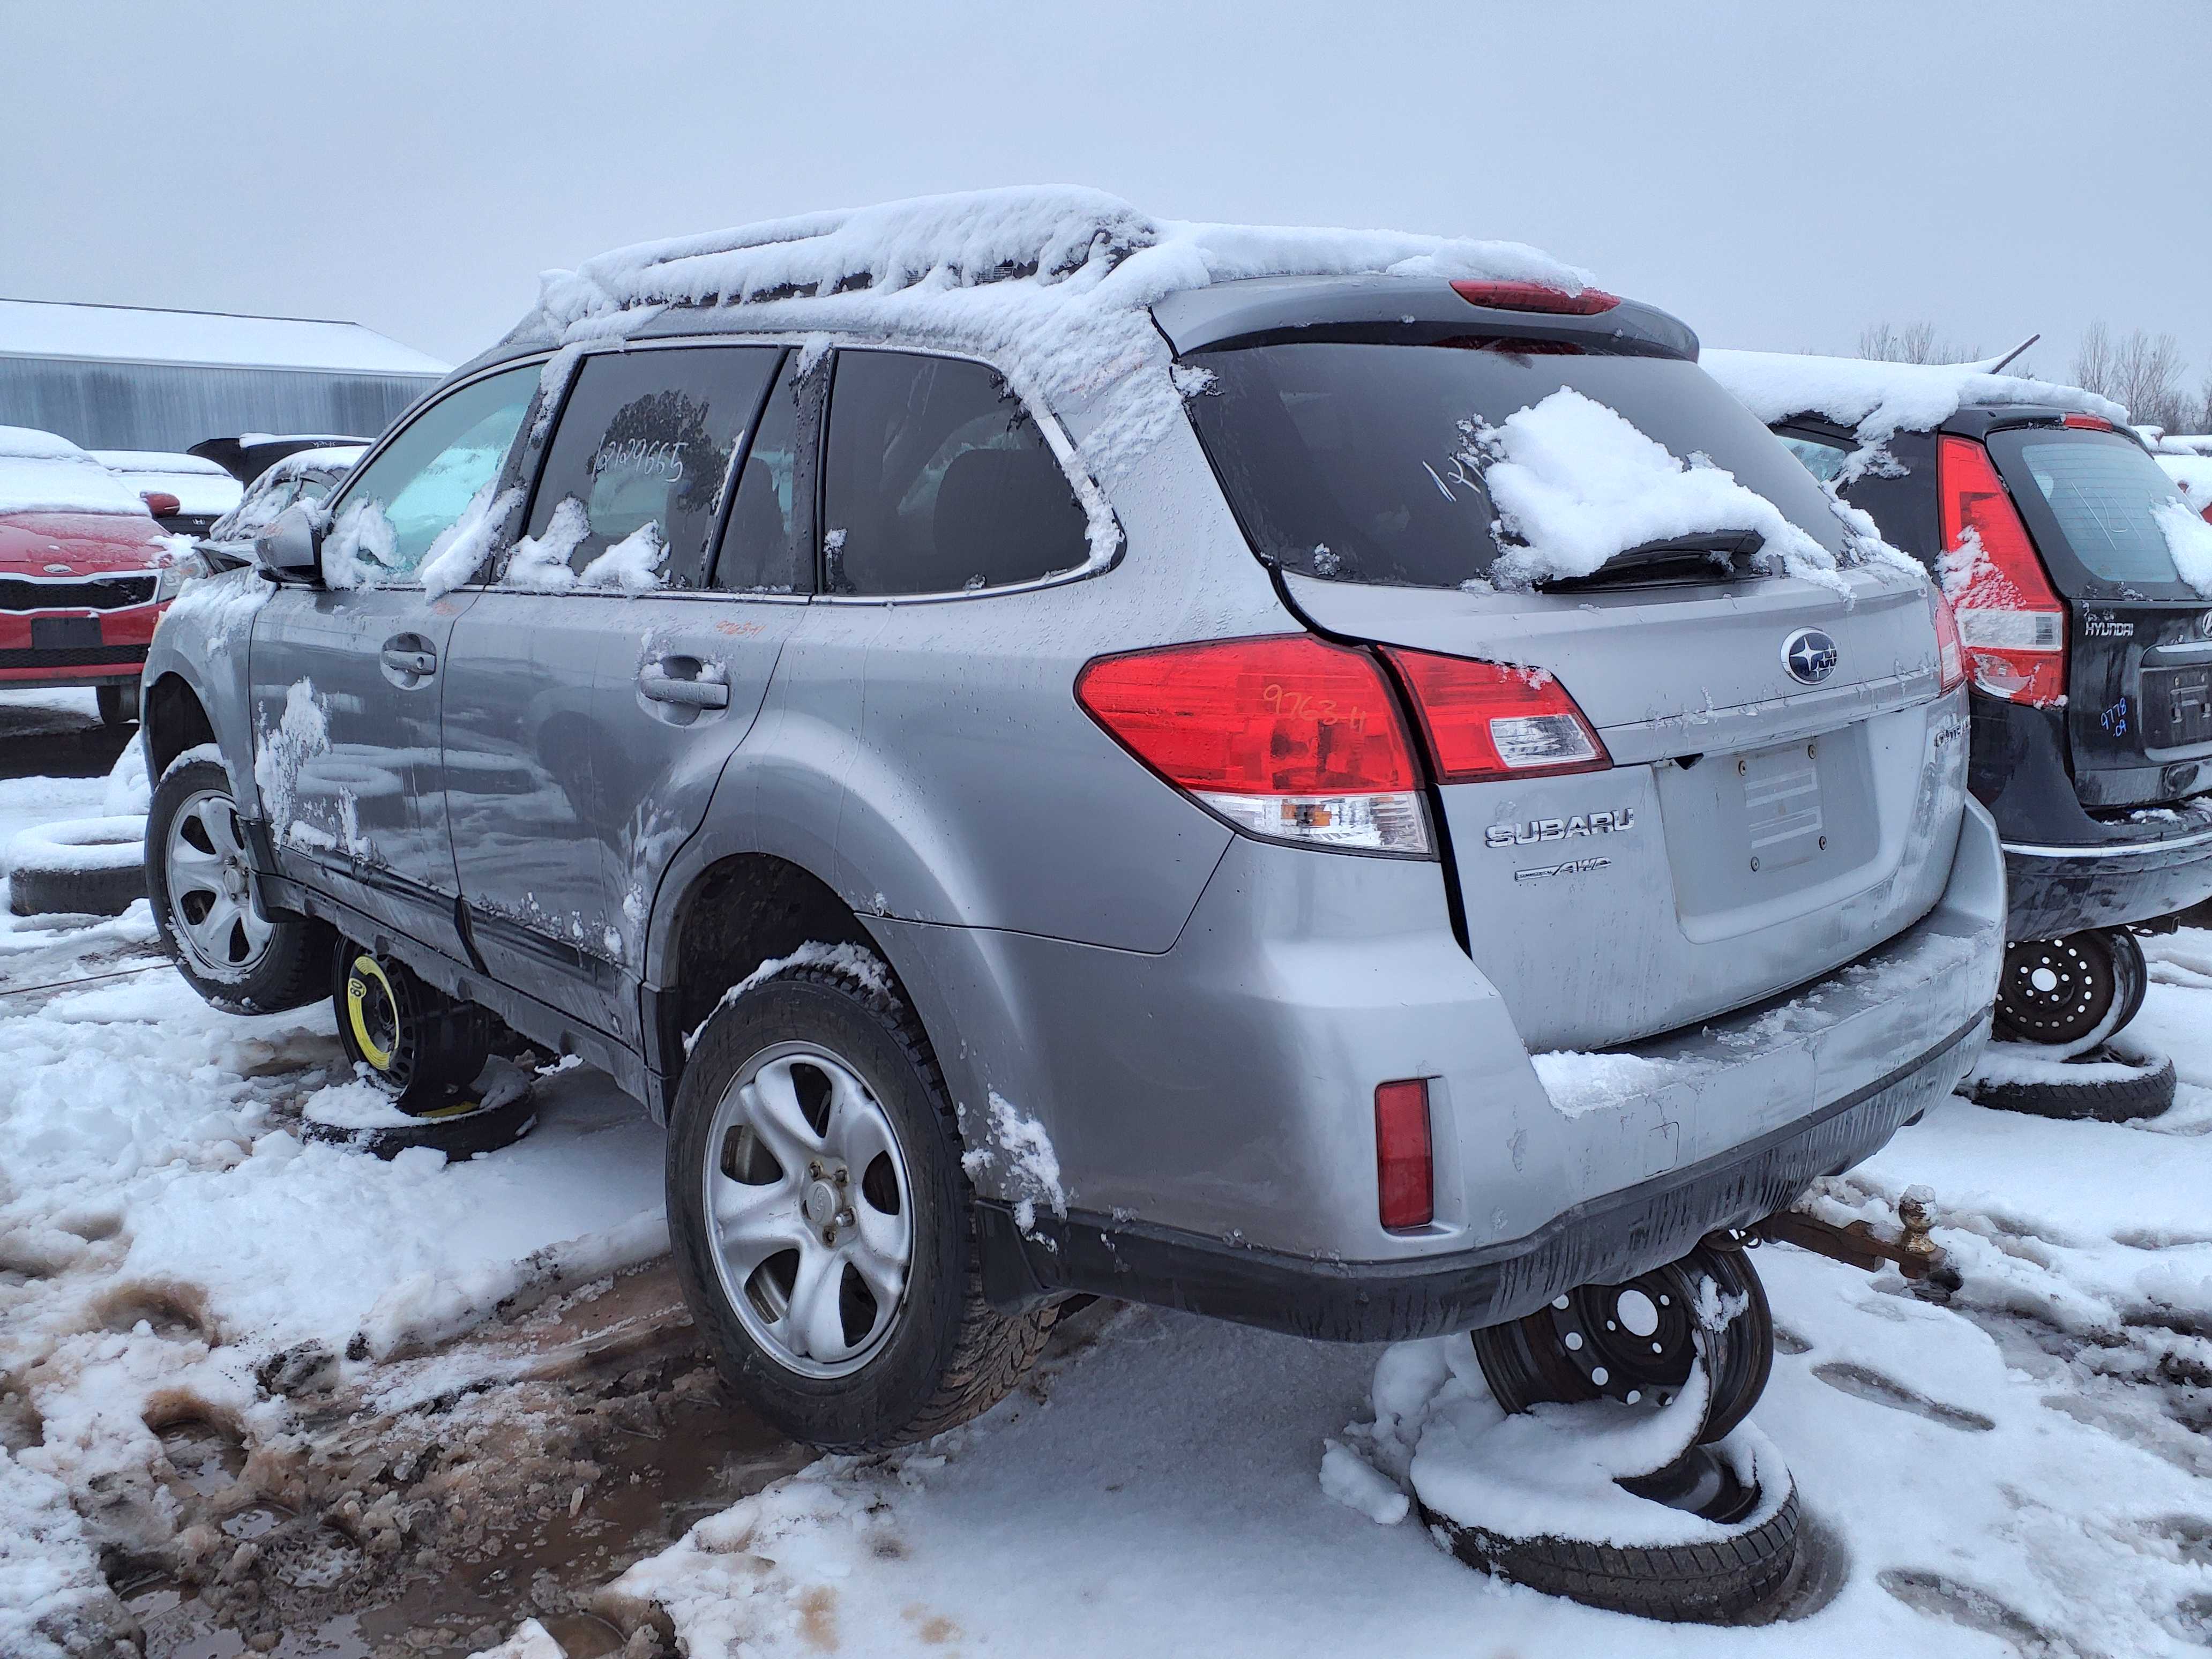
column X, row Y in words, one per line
column 2088, row 424
column 1950, row 655
column 1405, row 1167
column 1287, row 736
column 2011, row 621
column 1486, row 720
column 1536, row 296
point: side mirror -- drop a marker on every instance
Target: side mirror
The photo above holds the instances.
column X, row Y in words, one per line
column 291, row 550
column 161, row 504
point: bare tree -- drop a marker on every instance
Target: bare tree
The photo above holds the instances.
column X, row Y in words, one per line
column 1911, row 342
column 2142, row 371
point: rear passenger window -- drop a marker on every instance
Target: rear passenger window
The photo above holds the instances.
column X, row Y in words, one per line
column 643, row 451
column 936, row 480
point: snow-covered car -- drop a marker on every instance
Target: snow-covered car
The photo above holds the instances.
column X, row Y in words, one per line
column 249, row 454
column 85, row 572
column 1332, row 780
column 2188, row 462
column 186, row 494
column 2082, row 582
column 305, row 475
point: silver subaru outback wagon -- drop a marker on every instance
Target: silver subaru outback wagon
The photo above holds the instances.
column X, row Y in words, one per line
column 1055, row 776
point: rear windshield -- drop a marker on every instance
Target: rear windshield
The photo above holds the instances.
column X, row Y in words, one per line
column 2104, row 493
column 1334, row 453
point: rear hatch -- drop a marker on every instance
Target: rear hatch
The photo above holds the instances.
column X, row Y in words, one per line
column 1747, row 828
column 2102, row 514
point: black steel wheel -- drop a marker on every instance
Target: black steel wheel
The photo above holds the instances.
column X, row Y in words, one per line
column 2068, row 994
column 1636, row 1342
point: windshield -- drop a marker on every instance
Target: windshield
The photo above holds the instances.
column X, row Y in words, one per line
column 2105, row 492
column 1343, row 459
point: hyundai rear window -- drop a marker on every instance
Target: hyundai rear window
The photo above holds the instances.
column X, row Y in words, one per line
column 1338, row 457
column 2103, row 492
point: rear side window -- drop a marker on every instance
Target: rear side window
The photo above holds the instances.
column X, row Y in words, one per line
column 427, row 476
column 760, row 542
column 1339, row 457
column 2103, row 492
column 643, row 449
column 936, row 480
column 1822, row 461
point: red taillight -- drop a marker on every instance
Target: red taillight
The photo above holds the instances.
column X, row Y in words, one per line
column 2088, row 422
column 1404, row 1176
column 2011, row 622
column 1536, row 296
column 1487, row 719
column 1288, row 737
column 1950, row 656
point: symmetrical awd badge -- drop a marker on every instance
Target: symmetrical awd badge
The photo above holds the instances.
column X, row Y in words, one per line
column 1809, row 655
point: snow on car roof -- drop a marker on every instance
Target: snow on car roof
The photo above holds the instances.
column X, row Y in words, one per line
column 1878, row 399
column 1055, row 282
column 43, row 472
column 155, row 461
column 42, row 328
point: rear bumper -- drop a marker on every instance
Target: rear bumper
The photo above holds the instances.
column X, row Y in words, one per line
column 1718, row 1127
column 2060, row 889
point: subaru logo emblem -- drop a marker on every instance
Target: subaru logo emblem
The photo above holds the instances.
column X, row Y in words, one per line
column 1809, row 655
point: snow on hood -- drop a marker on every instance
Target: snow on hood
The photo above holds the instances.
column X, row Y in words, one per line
column 40, row 472
column 1880, row 399
column 1053, row 281
column 200, row 486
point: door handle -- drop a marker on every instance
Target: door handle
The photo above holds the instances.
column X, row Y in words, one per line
column 402, row 660
column 687, row 694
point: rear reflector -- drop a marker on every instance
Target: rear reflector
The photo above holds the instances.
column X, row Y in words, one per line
column 1404, row 1171
column 1286, row 736
column 1536, row 296
column 2011, row 622
column 1487, row 719
column 2088, row 422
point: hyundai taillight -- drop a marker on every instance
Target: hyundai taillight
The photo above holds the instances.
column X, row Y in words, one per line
column 2088, row 423
column 1485, row 719
column 1288, row 737
column 1405, row 1167
column 1950, row 656
column 1536, row 296
column 2011, row 622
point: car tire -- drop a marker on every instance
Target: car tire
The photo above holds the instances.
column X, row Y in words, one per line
column 845, row 1052
column 471, row 1131
column 250, row 971
column 80, row 867
column 119, row 703
column 412, row 1041
column 2096, row 985
column 1678, row 1584
column 2146, row 1091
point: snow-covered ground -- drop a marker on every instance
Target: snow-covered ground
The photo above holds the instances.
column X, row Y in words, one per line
column 2022, row 1470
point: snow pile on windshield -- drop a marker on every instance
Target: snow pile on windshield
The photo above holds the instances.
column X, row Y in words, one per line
column 1575, row 485
column 2189, row 538
column 1878, row 399
column 200, row 486
column 1053, row 282
column 42, row 473
column 2193, row 477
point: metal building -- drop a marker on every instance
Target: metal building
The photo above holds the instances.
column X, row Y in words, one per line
column 126, row 377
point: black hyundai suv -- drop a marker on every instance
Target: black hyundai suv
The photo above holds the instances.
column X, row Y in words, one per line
column 2062, row 545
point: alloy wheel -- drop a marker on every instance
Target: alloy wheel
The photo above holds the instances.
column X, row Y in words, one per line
column 810, row 1209
column 217, row 916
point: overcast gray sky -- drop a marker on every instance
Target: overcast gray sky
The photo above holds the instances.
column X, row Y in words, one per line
column 1779, row 174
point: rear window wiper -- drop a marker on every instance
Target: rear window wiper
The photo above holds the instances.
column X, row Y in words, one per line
column 1722, row 555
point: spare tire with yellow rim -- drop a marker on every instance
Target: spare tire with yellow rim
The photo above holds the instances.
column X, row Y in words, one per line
column 418, row 1045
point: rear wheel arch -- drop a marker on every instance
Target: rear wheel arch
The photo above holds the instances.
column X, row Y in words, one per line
column 173, row 720
column 732, row 916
